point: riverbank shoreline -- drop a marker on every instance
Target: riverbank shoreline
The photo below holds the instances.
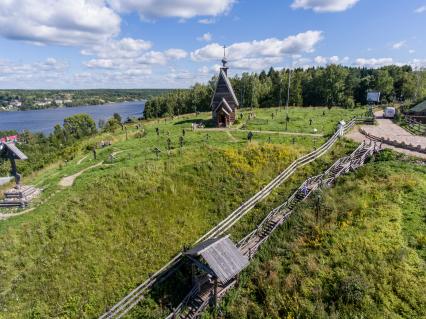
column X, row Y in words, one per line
column 17, row 109
column 44, row 120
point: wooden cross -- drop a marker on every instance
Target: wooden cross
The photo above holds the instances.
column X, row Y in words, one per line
column 157, row 151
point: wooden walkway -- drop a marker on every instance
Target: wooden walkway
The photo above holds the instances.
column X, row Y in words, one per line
column 200, row 297
column 386, row 129
column 137, row 294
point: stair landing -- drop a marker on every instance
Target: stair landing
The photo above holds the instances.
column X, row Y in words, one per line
column 20, row 197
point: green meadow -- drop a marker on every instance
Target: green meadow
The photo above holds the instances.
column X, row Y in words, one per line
column 364, row 256
column 84, row 247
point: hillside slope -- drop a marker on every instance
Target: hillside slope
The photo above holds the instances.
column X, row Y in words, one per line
column 84, row 247
column 363, row 257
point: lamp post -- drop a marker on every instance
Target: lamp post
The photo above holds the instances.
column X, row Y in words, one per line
column 315, row 138
column 281, row 89
column 288, row 98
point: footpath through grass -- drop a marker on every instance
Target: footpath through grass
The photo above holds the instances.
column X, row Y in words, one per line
column 86, row 246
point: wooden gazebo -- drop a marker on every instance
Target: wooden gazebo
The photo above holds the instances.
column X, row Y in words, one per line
column 8, row 150
column 224, row 102
column 219, row 258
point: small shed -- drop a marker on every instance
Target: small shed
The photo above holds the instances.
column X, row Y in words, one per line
column 418, row 112
column 373, row 97
column 222, row 259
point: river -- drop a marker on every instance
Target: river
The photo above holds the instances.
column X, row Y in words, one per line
column 45, row 120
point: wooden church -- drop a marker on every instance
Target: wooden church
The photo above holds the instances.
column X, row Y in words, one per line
column 224, row 102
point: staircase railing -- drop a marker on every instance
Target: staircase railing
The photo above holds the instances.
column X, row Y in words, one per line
column 137, row 294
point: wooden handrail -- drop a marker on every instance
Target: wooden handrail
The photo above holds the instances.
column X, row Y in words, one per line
column 137, row 294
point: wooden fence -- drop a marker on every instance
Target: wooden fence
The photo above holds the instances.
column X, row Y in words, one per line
column 394, row 143
column 415, row 126
column 137, row 294
column 201, row 295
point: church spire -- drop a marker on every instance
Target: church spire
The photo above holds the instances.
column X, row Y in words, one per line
column 224, row 61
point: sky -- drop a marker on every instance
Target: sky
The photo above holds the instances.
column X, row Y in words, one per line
column 78, row 44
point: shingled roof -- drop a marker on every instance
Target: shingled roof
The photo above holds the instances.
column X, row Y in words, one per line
column 16, row 152
column 223, row 90
column 419, row 108
column 224, row 106
column 222, row 256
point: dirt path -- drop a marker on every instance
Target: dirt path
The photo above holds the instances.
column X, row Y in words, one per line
column 117, row 152
column 232, row 138
column 69, row 180
column 222, row 129
column 387, row 129
column 6, row 216
column 81, row 160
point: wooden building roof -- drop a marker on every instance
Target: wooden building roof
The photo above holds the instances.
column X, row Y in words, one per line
column 223, row 258
column 223, row 90
column 419, row 108
column 224, row 106
column 16, row 152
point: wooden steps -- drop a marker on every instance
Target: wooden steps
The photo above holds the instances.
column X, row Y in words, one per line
column 21, row 197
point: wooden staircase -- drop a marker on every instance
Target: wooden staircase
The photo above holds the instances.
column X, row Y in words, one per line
column 19, row 197
column 199, row 297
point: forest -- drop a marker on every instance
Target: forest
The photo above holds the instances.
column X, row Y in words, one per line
column 334, row 85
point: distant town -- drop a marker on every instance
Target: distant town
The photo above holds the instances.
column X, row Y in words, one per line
column 22, row 100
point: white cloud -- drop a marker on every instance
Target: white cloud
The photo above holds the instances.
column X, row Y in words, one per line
column 324, row 5
column 147, row 59
column 411, row 51
column 398, row 45
column 256, row 63
column 373, row 62
column 321, row 60
column 63, row 22
column 124, row 48
column 42, row 74
column 209, row 71
column 100, row 63
column 111, row 79
column 175, row 54
column 205, row 37
column 300, row 61
column 420, row 9
column 161, row 58
column 334, row 59
column 180, row 75
column 207, row 21
column 129, row 53
column 205, row 70
column 251, row 53
column 149, row 9
column 418, row 63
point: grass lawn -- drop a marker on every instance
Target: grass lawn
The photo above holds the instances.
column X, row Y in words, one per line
column 323, row 119
column 363, row 258
column 84, row 247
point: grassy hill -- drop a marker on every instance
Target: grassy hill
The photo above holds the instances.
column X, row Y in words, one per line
column 365, row 257
column 84, row 247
